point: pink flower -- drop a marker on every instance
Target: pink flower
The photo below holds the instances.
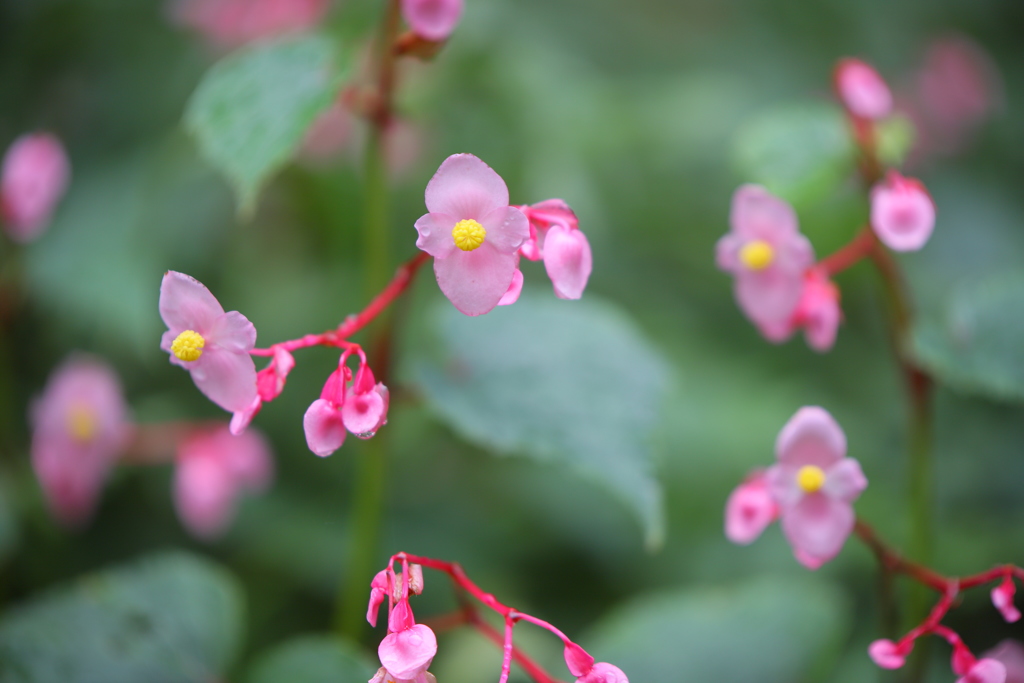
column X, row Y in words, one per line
column 818, row 311
column 1002, row 598
column 406, row 654
column 211, row 344
column 768, row 257
column 79, row 426
column 34, row 177
column 432, row 19
column 361, row 409
column 888, row 654
column 1011, row 654
column 861, row 90
column 556, row 238
column 213, row 468
column 231, row 23
column 902, row 212
column 749, row 510
column 814, row 484
column 985, row 671
column 472, row 233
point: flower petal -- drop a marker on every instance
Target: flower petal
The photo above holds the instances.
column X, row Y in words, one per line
column 845, row 481
column 507, row 228
column 232, row 332
column 758, row 214
column 769, row 296
column 435, row 234
column 186, row 304
column 474, row 281
column 432, row 19
column 325, row 431
column 226, row 378
column 514, row 290
column 408, row 653
column 466, row 187
column 811, row 437
column 818, row 526
column 363, row 414
column 568, row 261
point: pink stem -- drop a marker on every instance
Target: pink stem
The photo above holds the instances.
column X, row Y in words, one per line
column 506, row 661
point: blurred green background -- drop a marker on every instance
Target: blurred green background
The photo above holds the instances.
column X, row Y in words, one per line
column 633, row 112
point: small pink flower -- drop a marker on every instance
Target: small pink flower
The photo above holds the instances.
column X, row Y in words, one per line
column 1011, row 654
column 213, row 468
column 361, row 409
column 366, row 405
column 861, row 90
column 1002, row 598
column 432, row 19
column 231, row 23
column 323, row 422
column 749, row 510
column 985, row 671
column 815, row 484
column 472, row 233
column 768, row 257
column 902, row 212
column 406, row 654
column 79, row 426
column 211, row 344
column 556, row 238
column 34, row 177
column 888, row 654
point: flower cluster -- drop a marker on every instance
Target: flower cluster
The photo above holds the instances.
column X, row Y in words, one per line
column 778, row 284
column 408, row 648
column 34, row 176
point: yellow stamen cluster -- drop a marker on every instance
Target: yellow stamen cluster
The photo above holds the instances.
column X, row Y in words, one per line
column 757, row 255
column 468, row 234
column 188, row 346
column 810, row 478
column 81, row 422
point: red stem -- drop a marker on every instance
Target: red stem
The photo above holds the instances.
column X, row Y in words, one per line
column 852, row 253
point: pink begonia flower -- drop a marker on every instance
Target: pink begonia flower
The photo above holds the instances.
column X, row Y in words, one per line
column 985, row 671
column 230, row 23
column 749, row 510
column 34, row 176
column 556, row 238
column 861, row 90
column 432, row 19
column 768, row 256
column 366, row 405
column 888, row 654
column 213, row 468
column 1011, row 654
column 406, row 654
column 1002, row 598
column 361, row 409
column 814, row 484
column 902, row 212
column 79, row 426
column 472, row 233
column 211, row 344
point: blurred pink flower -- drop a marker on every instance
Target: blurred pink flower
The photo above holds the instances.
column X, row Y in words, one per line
column 889, row 655
column 211, row 344
column 749, row 510
column 985, row 671
column 814, row 484
column 213, row 468
column 1002, row 598
column 1011, row 654
column 902, row 212
column 79, row 426
column 818, row 311
column 472, row 233
column 768, row 256
column 34, row 176
column 230, row 23
column 432, row 19
column 861, row 90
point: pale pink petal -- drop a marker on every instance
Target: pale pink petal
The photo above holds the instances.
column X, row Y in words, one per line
column 811, row 437
column 757, row 214
column 232, row 332
column 363, row 414
column 241, row 419
column 551, row 212
column 568, row 261
column 985, row 671
column 604, row 672
column 226, row 378
column 809, row 561
column 514, row 290
column 435, row 234
column 845, row 481
column 432, row 19
column 749, row 511
column 34, row 177
column 186, row 304
column 782, row 484
column 408, row 653
column 325, row 430
column 769, row 296
column 474, row 281
column 204, row 495
column 862, row 90
column 818, row 525
column 818, row 311
column 776, row 331
column 1011, row 654
column 466, row 187
column 887, row 654
column 902, row 213
column 727, row 251
column 507, row 228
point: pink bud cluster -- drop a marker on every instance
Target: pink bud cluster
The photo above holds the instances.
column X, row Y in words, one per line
column 33, row 179
column 408, row 648
column 356, row 404
column 811, row 489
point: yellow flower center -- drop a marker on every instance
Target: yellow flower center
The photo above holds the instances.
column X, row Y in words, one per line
column 810, row 478
column 188, row 345
column 81, row 422
column 468, row 234
column 757, row 255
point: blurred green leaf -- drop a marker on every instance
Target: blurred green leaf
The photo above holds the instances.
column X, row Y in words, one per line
column 574, row 383
column 979, row 345
column 312, row 659
column 769, row 630
column 172, row 618
column 896, row 136
column 798, row 151
column 253, row 108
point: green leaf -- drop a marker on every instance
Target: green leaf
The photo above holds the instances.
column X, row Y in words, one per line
column 312, row 659
column 769, row 630
column 573, row 383
column 798, row 151
column 978, row 346
column 896, row 137
column 253, row 108
column 172, row 618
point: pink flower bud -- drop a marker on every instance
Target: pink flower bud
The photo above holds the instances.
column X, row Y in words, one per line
column 270, row 380
column 902, row 212
column 34, row 177
column 818, row 311
column 749, row 511
column 603, row 672
column 568, row 261
column 378, row 591
column 432, row 19
column 861, row 90
column 1002, row 598
column 577, row 659
column 985, row 671
column 888, row 654
column 406, row 654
